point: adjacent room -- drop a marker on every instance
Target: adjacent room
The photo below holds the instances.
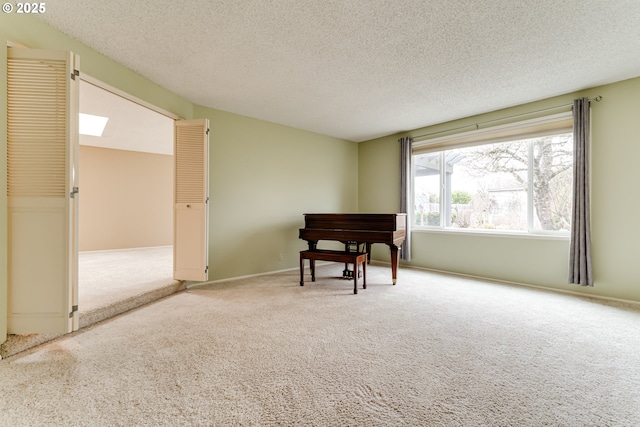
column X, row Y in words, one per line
column 126, row 203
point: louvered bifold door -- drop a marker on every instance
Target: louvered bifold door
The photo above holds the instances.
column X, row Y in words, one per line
column 42, row 117
column 191, row 200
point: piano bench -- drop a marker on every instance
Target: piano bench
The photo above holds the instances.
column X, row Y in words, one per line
column 355, row 258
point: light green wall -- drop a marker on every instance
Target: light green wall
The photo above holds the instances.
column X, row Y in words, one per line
column 536, row 261
column 263, row 178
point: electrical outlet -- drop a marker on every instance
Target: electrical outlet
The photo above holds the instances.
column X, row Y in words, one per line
column 280, row 256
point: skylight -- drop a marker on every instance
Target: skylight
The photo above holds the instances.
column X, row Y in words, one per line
column 92, row 125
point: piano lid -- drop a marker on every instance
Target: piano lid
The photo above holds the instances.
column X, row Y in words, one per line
column 357, row 221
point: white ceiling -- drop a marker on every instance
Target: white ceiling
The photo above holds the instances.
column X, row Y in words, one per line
column 359, row 69
column 130, row 126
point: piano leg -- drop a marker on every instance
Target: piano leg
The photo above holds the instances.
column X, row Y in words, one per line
column 355, row 283
column 395, row 255
column 364, row 274
column 313, row 245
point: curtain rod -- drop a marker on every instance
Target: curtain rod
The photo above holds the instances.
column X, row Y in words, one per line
column 477, row 125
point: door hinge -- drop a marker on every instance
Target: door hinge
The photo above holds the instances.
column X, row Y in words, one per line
column 73, row 193
column 206, row 269
column 74, row 309
column 74, row 74
column 207, row 131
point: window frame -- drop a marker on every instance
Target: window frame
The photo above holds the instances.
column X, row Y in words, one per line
column 555, row 124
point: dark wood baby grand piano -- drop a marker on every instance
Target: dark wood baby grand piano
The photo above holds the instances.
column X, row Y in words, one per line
column 361, row 229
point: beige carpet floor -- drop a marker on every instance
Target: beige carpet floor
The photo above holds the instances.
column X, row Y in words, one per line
column 434, row 350
column 107, row 277
column 110, row 283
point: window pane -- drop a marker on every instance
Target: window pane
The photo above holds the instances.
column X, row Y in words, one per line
column 426, row 196
column 488, row 187
column 552, row 182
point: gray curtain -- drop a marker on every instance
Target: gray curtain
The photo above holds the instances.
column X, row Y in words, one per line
column 405, row 192
column 580, row 271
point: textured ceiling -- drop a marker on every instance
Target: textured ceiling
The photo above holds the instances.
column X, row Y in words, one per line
column 359, row 69
column 130, row 126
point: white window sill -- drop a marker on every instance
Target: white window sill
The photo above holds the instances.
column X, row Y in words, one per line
column 493, row 233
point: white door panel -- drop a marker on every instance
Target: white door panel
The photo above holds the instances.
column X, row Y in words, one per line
column 42, row 112
column 191, row 200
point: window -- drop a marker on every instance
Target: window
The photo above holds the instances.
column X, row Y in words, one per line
column 514, row 178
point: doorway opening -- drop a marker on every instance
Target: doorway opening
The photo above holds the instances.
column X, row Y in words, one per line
column 126, row 205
